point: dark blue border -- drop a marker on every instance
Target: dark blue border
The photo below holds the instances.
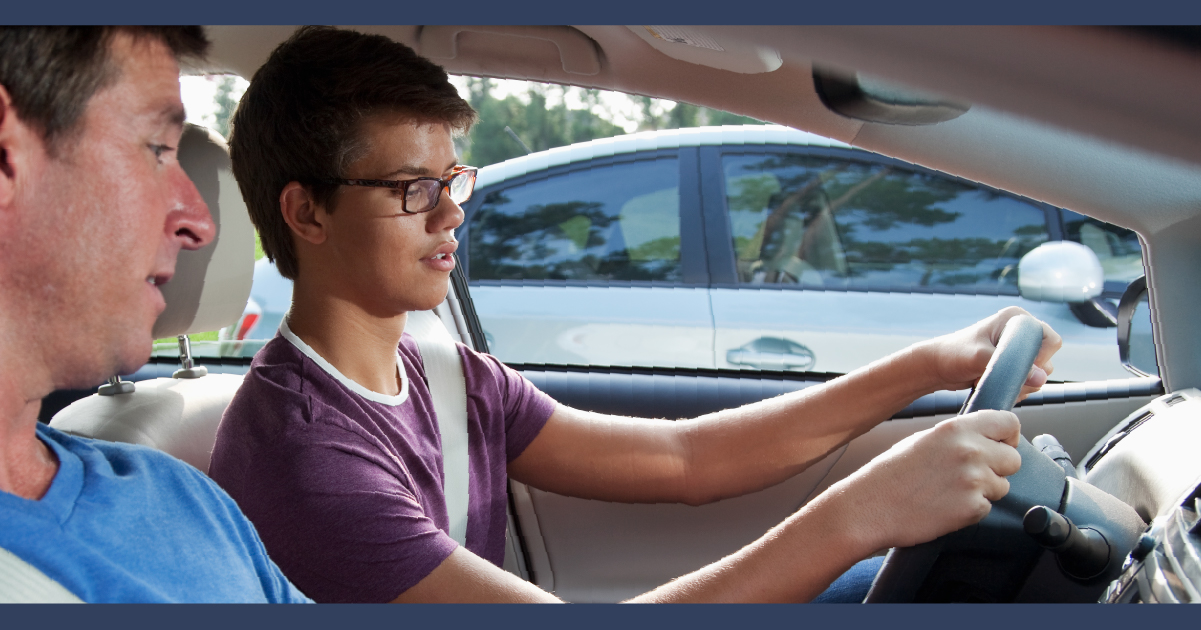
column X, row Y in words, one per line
column 608, row 12
column 588, row 617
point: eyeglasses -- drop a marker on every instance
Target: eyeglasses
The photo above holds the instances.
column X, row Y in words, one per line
column 423, row 193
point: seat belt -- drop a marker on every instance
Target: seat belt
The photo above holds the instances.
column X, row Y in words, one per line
column 23, row 583
column 448, row 389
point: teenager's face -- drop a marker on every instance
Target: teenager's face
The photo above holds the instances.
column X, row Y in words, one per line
column 389, row 261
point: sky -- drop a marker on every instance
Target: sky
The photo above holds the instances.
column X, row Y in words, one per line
column 198, row 93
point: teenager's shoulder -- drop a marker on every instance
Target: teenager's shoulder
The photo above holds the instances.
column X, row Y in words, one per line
column 282, row 368
column 277, row 353
column 476, row 365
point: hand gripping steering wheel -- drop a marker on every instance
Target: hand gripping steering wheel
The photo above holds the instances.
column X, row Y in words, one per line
column 990, row 560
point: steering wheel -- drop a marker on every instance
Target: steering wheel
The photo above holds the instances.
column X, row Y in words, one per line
column 990, row 560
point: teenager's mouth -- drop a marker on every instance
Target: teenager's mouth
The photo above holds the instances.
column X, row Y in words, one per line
column 443, row 258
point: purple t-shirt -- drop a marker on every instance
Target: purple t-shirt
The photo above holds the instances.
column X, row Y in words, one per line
column 345, row 485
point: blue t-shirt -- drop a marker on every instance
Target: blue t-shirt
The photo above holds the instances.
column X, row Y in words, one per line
column 125, row 523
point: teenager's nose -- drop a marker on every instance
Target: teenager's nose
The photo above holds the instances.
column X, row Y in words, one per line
column 447, row 216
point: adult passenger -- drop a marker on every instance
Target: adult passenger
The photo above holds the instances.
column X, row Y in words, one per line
column 94, row 208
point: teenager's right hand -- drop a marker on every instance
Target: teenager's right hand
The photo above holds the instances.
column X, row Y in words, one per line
column 933, row 482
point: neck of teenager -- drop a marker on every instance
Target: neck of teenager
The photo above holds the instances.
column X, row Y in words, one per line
column 361, row 344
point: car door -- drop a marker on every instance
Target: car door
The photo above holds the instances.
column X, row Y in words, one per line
column 836, row 258
column 594, row 263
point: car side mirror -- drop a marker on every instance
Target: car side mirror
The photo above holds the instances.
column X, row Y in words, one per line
column 1136, row 342
column 1061, row 271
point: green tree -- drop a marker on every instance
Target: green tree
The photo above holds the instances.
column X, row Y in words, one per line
column 225, row 103
column 685, row 115
column 541, row 126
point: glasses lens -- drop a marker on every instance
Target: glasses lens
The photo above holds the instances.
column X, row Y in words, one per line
column 422, row 195
column 462, row 185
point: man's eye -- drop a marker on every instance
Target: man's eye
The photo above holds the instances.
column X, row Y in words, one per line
column 161, row 150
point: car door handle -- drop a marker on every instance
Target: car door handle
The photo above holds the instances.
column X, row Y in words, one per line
column 772, row 353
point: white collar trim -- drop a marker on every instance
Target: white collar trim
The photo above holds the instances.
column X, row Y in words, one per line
column 341, row 378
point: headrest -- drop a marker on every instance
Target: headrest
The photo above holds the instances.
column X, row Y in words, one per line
column 212, row 284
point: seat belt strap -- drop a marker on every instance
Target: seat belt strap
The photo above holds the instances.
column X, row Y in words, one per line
column 448, row 388
column 23, row 583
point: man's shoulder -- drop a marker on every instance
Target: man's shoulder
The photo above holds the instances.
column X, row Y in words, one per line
column 91, row 449
column 131, row 464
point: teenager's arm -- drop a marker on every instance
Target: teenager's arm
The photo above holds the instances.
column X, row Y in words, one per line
column 934, row 482
column 741, row 450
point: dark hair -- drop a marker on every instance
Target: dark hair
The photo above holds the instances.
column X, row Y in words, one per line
column 301, row 118
column 51, row 72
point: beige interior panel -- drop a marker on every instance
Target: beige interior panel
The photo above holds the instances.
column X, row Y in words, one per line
column 605, row 552
column 631, row 549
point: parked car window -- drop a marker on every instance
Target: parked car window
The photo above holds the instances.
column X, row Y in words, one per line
column 828, row 223
column 615, row 222
column 1116, row 247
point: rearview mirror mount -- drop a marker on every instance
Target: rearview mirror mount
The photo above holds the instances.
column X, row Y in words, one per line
column 1136, row 342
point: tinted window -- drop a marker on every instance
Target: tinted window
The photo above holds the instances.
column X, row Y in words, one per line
column 822, row 222
column 614, row 222
column 1117, row 248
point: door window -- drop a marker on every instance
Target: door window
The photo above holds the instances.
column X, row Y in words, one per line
column 1117, row 248
column 827, row 223
column 606, row 223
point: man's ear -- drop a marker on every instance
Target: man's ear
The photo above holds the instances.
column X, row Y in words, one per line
column 302, row 213
column 11, row 134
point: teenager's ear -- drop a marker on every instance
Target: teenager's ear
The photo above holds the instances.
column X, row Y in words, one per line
column 302, row 213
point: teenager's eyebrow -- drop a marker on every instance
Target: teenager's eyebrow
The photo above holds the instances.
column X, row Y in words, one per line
column 417, row 171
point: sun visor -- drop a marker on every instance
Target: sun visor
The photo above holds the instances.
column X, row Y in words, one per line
column 691, row 44
column 211, row 285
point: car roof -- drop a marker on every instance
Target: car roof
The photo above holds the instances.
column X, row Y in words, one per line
column 651, row 141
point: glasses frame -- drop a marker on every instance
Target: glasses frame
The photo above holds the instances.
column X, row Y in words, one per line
column 403, row 186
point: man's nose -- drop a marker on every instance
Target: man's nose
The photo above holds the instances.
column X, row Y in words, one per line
column 188, row 219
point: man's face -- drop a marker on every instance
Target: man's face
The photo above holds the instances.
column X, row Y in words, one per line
column 386, row 261
column 105, row 222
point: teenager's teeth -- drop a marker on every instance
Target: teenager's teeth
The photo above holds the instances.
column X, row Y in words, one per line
column 439, row 256
column 150, row 281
